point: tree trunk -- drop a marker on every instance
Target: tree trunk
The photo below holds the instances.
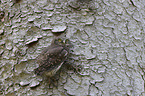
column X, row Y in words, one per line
column 108, row 40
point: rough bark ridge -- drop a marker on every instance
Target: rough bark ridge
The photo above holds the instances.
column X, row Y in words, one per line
column 108, row 38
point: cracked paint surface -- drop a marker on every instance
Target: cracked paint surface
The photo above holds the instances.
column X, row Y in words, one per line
column 108, row 38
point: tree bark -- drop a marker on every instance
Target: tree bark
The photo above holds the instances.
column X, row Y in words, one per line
column 108, row 40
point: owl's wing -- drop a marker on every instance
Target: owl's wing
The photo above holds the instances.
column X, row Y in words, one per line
column 50, row 59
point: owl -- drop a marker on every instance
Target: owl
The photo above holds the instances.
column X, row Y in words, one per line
column 52, row 57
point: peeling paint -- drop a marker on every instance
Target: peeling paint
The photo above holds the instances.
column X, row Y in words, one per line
column 108, row 39
column 34, row 83
column 33, row 40
column 23, row 83
column 59, row 28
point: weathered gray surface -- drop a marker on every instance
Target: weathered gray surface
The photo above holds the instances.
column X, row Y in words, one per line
column 108, row 38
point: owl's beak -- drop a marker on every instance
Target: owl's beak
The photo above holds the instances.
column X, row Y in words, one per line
column 69, row 45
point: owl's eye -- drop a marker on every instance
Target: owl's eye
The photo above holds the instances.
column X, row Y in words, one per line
column 66, row 41
column 59, row 40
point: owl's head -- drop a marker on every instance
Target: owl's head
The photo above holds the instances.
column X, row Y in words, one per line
column 61, row 41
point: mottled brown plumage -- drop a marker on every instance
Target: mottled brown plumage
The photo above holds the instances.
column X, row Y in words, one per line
column 52, row 57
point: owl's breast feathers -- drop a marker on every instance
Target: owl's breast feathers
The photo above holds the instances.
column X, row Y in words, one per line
column 50, row 60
